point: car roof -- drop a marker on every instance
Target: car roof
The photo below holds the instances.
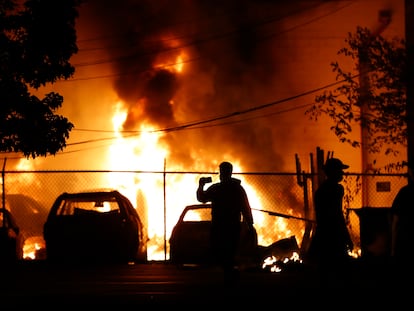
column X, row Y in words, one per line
column 91, row 193
column 95, row 195
column 193, row 207
column 197, row 206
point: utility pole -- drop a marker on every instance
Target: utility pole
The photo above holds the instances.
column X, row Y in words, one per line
column 384, row 19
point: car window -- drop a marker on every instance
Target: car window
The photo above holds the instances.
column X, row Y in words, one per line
column 69, row 206
column 200, row 214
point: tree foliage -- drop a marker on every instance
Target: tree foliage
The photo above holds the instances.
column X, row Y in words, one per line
column 371, row 96
column 37, row 40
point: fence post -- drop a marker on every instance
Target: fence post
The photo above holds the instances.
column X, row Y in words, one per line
column 165, row 211
column 3, row 196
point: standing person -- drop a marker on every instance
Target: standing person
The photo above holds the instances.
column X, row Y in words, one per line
column 402, row 212
column 331, row 240
column 229, row 204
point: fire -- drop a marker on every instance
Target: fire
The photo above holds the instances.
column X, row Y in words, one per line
column 274, row 264
column 175, row 66
column 119, row 118
column 174, row 59
column 142, row 148
column 32, row 247
column 143, row 152
column 234, row 74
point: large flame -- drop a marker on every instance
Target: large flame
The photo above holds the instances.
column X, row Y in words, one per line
column 155, row 67
column 143, row 152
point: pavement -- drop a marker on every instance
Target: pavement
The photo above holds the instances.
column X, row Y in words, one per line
column 367, row 283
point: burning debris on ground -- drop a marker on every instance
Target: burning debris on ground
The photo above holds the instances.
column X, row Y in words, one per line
column 282, row 255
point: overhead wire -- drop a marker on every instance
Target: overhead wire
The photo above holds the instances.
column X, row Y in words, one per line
column 206, row 123
column 199, row 41
column 197, row 124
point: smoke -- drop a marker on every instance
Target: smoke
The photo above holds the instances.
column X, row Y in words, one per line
column 229, row 64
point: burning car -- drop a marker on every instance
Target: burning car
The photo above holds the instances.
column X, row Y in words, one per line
column 190, row 239
column 11, row 240
column 94, row 226
column 30, row 217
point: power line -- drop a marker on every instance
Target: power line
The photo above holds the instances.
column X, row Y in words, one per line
column 199, row 41
column 193, row 124
column 201, row 123
column 266, row 20
column 133, row 71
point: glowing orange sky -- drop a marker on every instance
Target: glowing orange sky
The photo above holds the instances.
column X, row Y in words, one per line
column 286, row 52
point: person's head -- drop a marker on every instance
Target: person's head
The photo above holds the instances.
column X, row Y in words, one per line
column 226, row 170
column 334, row 168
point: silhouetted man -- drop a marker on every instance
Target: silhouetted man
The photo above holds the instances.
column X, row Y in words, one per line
column 331, row 240
column 229, row 204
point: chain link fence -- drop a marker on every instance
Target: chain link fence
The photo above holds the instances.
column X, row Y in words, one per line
column 281, row 202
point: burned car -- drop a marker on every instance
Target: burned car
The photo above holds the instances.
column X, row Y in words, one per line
column 11, row 240
column 30, row 217
column 190, row 239
column 94, row 226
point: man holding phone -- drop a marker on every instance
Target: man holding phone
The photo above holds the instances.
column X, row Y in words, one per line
column 230, row 205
